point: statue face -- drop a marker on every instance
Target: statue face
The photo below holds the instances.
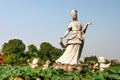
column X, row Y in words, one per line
column 74, row 14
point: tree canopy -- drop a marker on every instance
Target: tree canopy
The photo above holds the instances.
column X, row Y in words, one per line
column 14, row 52
column 48, row 51
column 13, row 46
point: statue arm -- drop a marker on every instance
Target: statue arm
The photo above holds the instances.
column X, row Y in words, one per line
column 86, row 26
column 66, row 33
column 60, row 42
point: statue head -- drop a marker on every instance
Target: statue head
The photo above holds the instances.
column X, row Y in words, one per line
column 74, row 14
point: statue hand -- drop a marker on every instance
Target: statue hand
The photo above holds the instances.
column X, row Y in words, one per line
column 89, row 23
column 61, row 37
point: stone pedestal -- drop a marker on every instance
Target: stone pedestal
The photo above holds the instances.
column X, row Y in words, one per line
column 69, row 68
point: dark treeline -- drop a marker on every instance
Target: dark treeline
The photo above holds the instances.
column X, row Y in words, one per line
column 15, row 53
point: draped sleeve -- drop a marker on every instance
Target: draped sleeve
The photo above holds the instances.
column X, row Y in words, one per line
column 83, row 32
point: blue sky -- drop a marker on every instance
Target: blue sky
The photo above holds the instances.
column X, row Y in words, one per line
column 36, row 21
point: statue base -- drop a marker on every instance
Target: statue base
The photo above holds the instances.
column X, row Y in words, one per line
column 70, row 68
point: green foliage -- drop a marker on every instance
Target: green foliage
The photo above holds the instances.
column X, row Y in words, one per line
column 48, row 52
column 13, row 46
column 90, row 59
column 55, row 53
column 11, row 59
column 12, row 72
column 113, row 72
column 25, row 72
column 13, row 52
column 32, row 52
column 15, row 59
column 45, row 49
column 32, row 48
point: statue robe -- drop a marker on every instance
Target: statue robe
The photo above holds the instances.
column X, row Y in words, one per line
column 74, row 44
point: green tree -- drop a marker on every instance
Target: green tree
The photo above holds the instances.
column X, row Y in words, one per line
column 13, row 51
column 55, row 53
column 90, row 59
column 32, row 50
column 13, row 46
column 47, row 51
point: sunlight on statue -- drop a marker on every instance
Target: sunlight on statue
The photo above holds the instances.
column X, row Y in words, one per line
column 75, row 42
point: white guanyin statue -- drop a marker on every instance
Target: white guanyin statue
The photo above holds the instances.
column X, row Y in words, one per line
column 75, row 42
